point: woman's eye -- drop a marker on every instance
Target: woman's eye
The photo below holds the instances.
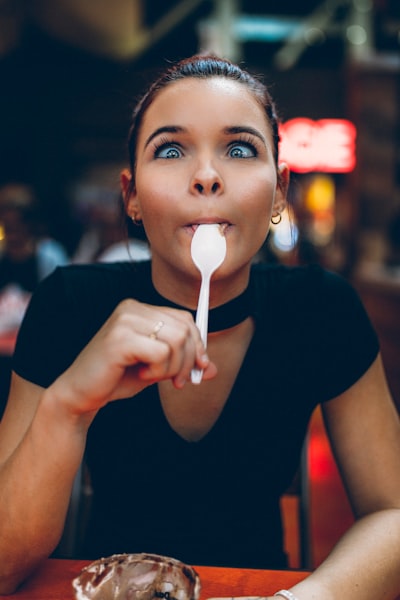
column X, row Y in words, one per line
column 242, row 151
column 167, row 151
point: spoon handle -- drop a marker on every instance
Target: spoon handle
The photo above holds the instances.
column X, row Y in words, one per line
column 202, row 321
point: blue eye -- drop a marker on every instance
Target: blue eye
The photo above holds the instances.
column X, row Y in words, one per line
column 167, row 151
column 242, row 150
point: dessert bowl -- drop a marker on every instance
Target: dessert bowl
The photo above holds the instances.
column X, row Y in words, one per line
column 137, row 577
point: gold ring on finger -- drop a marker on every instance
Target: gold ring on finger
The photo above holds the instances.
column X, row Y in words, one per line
column 157, row 327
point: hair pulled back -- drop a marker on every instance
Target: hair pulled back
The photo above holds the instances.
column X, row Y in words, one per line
column 202, row 67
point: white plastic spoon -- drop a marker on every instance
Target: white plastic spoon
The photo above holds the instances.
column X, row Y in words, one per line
column 208, row 251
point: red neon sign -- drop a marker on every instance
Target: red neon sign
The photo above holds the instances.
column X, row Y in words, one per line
column 324, row 146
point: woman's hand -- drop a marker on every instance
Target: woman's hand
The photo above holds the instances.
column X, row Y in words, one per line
column 138, row 345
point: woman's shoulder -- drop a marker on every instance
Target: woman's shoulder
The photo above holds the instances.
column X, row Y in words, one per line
column 93, row 288
column 71, row 304
column 122, row 277
column 303, row 290
column 291, row 274
column 304, row 280
column 103, row 270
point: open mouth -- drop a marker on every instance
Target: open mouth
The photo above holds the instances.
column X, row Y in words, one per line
column 223, row 225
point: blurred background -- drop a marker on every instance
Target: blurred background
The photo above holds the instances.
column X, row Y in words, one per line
column 71, row 70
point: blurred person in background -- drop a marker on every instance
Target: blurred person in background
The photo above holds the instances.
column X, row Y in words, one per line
column 27, row 255
column 111, row 236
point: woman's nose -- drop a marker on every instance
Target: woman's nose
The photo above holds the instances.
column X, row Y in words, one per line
column 207, row 181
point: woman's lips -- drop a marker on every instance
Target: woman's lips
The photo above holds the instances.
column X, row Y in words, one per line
column 223, row 225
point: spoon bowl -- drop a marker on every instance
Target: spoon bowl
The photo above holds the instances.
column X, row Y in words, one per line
column 208, row 251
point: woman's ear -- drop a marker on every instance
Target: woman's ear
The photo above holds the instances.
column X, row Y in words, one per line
column 131, row 204
column 281, row 188
column 125, row 180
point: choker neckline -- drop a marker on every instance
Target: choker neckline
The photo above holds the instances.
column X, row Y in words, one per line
column 222, row 317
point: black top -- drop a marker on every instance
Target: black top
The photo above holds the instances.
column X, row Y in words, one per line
column 215, row 501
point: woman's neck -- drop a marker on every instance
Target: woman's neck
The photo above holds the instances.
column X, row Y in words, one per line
column 183, row 290
column 226, row 310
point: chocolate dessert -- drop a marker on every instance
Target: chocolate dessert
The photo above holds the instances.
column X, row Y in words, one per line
column 137, row 577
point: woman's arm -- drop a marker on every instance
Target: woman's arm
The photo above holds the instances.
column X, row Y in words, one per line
column 40, row 452
column 43, row 432
column 364, row 429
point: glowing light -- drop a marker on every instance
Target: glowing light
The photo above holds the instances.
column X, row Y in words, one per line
column 320, row 196
column 319, row 201
column 286, row 234
column 314, row 36
column 325, row 146
column 356, row 35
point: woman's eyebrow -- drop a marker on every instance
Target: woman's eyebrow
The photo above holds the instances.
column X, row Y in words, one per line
column 164, row 129
column 244, row 129
column 232, row 130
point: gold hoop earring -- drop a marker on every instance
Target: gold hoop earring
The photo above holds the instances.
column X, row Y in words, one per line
column 276, row 219
column 137, row 222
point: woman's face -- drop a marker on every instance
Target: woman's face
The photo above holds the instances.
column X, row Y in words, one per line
column 204, row 155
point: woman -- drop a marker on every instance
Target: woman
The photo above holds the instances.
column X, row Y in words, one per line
column 103, row 365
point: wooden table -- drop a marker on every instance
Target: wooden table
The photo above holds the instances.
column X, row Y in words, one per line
column 53, row 580
column 7, row 342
